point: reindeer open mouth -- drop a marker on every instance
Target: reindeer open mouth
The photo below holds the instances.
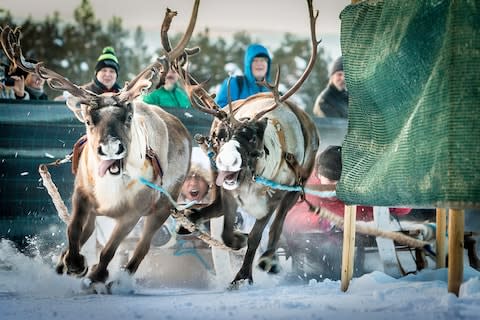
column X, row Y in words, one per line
column 228, row 179
column 113, row 166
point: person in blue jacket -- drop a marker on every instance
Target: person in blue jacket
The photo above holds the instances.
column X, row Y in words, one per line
column 257, row 63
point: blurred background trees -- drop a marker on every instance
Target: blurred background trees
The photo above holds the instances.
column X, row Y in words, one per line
column 72, row 49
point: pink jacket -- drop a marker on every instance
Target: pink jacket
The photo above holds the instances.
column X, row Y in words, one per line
column 301, row 220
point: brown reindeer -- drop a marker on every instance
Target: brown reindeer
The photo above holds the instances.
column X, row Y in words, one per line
column 262, row 137
column 126, row 140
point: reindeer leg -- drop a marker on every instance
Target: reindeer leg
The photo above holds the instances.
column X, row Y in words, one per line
column 71, row 261
column 234, row 239
column 245, row 272
column 268, row 261
column 152, row 223
column 213, row 210
column 99, row 272
column 88, row 229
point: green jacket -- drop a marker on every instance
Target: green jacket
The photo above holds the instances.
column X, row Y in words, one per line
column 167, row 99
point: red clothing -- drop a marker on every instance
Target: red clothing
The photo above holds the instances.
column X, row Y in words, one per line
column 301, row 220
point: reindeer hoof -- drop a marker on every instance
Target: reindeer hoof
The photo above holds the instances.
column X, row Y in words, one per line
column 269, row 265
column 77, row 267
column 98, row 275
column 65, row 265
column 88, row 286
column 60, row 267
column 236, row 284
column 236, row 240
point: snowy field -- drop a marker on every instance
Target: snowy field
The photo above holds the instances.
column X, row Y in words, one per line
column 30, row 289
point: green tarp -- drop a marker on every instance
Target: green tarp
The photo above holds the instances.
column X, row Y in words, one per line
column 413, row 75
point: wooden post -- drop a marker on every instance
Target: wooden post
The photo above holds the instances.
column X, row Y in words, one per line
column 455, row 249
column 441, row 237
column 348, row 246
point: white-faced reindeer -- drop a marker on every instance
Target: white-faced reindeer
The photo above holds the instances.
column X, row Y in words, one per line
column 261, row 137
column 126, row 140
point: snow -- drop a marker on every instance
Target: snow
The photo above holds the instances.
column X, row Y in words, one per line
column 30, row 289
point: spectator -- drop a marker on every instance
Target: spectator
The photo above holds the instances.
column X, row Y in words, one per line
column 257, row 63
column 170, row 94
column 23, row 86
column 316, row 238
column 333, row 100
column 327, row 171
column 197, row 185
column 106, row 73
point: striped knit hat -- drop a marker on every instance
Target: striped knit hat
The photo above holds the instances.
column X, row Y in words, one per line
column 107, row 59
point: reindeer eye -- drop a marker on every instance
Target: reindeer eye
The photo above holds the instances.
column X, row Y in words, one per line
column 87, row 122
column 129, row 117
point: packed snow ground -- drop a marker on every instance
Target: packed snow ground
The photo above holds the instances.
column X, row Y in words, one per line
column 30, row 289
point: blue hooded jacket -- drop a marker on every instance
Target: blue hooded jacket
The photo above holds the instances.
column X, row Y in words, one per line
column 249, row 86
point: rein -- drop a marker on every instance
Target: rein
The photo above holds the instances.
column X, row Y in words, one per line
column 275, row 185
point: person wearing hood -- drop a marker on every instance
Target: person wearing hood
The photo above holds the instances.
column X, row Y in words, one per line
column 257, row 63
column 199, row 181
column 106, row 73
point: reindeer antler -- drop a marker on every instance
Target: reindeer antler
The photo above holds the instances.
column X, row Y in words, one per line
column 313, row 15
column 10, row 40
column 200, row 98
column 162, row 64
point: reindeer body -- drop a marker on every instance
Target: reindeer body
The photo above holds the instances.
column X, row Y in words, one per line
column 279, row 146
column 126, row 140
column 108, row 178
column 264, row 135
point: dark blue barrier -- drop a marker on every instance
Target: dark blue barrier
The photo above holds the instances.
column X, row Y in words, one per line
column 34, row 132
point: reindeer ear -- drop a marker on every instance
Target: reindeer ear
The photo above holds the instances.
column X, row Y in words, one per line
column 262, row 125
column 75, row 105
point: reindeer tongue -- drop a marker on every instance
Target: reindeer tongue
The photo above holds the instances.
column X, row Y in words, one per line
column 104, row 165
column 221, row 177
column 225, row 175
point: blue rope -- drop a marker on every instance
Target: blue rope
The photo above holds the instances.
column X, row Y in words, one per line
column 169, row 197
column 275, row 185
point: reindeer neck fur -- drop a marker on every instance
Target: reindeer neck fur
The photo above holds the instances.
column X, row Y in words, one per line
column 256, row 199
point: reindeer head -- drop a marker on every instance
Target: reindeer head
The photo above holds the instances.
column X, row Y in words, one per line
column 236, row 160
column 108, row 121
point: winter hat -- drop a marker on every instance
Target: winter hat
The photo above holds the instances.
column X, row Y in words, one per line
column 329, row 162
column 107, row 59
column 337, row 65
column 200, row 165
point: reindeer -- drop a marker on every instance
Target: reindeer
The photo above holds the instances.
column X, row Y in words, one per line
column 263, row 137
column 126, row 140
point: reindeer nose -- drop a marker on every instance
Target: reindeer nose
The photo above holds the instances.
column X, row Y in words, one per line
column 112, row 149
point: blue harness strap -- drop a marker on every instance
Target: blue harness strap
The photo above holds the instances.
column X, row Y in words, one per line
column 274, row 185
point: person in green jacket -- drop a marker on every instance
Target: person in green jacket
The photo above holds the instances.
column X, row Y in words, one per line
column 171, row 94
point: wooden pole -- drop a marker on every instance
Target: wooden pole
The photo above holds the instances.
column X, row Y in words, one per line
column 441, row 237
column 348, row 246
column 455, row 249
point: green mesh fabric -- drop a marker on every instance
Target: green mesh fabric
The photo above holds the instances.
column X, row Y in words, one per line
column 413, row 75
